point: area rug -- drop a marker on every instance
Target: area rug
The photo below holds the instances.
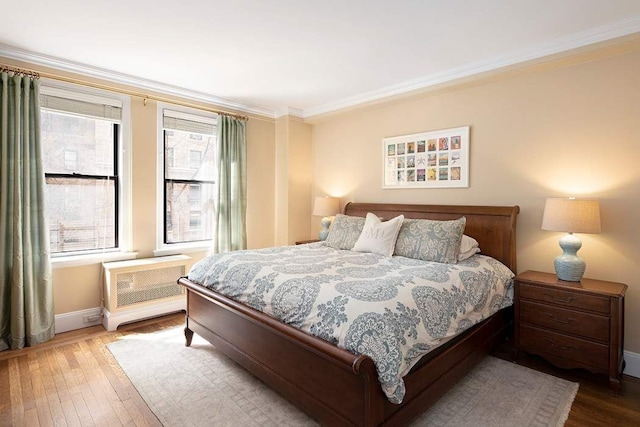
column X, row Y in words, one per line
column 198, row 386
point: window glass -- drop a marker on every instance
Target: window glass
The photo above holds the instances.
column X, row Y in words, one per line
column 81, row 214
column 195, row 159
column 81, row 181
column 189, row 212
column 187, row 158
column 189, row 173
column 91, row 139
column 70, row 160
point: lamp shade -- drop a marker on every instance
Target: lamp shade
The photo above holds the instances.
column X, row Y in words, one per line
column 571, row 215
column 326, row 206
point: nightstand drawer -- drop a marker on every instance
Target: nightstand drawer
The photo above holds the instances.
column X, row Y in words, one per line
column 571, row 324
column 575, row 349
column 565, row 298
column 587, row 325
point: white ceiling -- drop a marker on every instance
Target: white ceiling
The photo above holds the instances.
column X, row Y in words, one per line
column 297, row 56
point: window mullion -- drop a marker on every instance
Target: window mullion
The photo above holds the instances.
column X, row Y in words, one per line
column 79, row 176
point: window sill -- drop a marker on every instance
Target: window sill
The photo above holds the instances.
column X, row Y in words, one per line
column 88, row 259
column 183, row 249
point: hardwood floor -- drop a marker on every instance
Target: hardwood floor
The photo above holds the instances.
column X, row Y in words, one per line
column 74, row 380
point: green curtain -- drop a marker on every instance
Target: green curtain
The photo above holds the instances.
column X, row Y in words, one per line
column 231, row 200
column 26, row 295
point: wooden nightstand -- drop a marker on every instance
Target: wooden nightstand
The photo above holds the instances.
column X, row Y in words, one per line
column 303, row 242
column 571, row 324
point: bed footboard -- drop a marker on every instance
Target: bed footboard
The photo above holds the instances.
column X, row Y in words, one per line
column 331, row 384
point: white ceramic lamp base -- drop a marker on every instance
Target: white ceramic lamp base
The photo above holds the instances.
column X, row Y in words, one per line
column 326, row 222
column 569, row 266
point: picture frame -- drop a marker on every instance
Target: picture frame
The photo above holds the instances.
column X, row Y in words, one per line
column 435, row 159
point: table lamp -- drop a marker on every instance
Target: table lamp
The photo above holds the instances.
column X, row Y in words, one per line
column 325, row 207
column 573, row 216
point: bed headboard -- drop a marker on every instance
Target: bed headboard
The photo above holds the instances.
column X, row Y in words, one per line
column 494, row 227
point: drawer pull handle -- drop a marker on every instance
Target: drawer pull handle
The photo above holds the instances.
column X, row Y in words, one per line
column 555, row 319
column 562, row 300
column 570, row 347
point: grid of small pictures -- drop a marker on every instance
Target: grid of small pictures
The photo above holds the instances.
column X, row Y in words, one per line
column 429, row 159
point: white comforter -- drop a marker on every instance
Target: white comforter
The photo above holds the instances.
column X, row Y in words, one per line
column 394, row 310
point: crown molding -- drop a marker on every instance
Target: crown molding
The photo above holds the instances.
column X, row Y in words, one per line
column 18, row 54
column 289, row 111
column 574, row 41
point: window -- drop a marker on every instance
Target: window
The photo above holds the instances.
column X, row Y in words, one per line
column 195, row 199
column 188, row 148
column 194, row 220
column 195, row 157
column 81, row 137
column 70, row 160
column 169, row 221
column 170, row 157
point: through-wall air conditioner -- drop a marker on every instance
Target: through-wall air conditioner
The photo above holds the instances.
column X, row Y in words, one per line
column 143, row 288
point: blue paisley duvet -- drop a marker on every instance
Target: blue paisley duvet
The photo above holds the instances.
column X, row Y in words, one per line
column 393, row 309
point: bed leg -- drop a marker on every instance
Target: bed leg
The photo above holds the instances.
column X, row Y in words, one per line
column 188, row 335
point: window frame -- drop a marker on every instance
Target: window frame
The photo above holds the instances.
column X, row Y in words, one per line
column 162, row 247
column 122, row 161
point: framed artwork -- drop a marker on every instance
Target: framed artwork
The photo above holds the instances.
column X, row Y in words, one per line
column 437, row 159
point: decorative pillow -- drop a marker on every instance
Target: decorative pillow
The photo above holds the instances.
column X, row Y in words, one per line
column 344, row 231
column 430, row 240
column 468, row 247
column 379, row 237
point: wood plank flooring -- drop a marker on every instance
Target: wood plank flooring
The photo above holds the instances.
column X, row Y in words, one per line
column 73, row 380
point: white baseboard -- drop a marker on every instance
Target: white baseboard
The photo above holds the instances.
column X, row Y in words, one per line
column 66, row 322
column 633, row 364
column 78, row 319
column 111, row 321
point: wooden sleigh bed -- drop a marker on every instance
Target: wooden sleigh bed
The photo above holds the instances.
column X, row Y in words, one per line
column 331, row 384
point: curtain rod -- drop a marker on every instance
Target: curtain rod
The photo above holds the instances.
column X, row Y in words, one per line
column 8, row 69
column 145, row 97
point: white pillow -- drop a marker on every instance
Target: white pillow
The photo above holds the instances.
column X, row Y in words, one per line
column 378, row 237
column 468, row 247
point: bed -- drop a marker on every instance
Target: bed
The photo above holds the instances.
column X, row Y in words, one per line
column 333, row 385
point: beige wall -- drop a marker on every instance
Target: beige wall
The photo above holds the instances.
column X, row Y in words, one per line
column 282, row 181
column 569, row 130
column 293, row 180
column 300, row 180
column 79, row 288
column 261, row 193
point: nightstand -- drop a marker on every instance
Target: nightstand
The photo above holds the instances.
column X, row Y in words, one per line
column 571, row 324
column 303, row 242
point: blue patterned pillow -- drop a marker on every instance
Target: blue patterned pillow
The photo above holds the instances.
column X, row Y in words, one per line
column 430, row 240
column 345, row 231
